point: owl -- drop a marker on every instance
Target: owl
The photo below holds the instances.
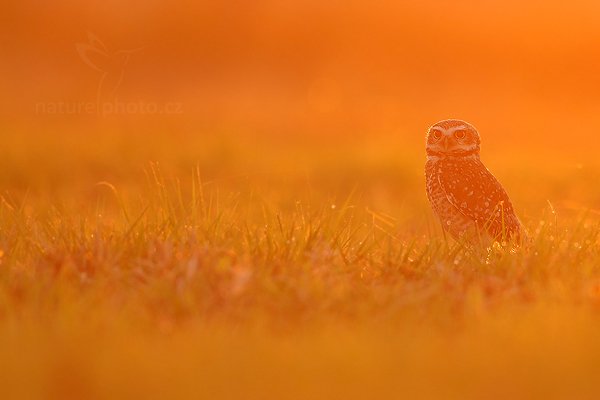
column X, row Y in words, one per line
column 469, row 201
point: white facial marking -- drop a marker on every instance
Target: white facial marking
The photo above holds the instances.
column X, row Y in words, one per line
column 456, row 128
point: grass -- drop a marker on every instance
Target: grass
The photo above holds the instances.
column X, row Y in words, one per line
column 255, row 268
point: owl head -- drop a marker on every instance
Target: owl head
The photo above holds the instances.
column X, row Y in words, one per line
column 452, row 137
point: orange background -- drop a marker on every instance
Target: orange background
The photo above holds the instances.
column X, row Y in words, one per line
column 521, row 73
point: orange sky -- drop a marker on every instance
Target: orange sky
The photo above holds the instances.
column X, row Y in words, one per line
column 313, row 67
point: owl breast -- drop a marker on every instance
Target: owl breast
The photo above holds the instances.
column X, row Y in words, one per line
column 469, row 200
column 452, row 220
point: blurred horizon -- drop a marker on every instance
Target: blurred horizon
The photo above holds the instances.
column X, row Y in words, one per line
column 521, row 73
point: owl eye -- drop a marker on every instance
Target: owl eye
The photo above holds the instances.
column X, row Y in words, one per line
column 437, row 135
column 460, row 134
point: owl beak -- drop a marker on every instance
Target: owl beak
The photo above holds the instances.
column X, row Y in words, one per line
column 446, row 143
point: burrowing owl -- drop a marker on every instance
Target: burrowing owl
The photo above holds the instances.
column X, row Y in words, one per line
column 466, row 197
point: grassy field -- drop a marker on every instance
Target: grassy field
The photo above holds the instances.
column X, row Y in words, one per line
column 231, row 266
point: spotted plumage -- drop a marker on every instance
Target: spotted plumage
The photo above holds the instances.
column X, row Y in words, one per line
column 466, row 197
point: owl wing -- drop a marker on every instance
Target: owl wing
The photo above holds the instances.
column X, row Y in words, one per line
column 477, row 194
